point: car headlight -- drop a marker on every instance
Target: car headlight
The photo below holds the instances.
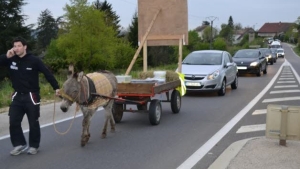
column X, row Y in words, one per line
column 270, row 56
column 214, row 75
column 254, row 64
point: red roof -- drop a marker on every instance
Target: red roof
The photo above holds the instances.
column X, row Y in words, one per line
column 275, row 27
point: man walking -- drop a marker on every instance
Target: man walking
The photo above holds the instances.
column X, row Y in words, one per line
column 24, row 70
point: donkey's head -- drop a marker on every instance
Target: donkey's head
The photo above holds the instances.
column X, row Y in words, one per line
column 71, row 90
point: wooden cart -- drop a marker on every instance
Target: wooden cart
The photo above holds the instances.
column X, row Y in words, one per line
column 140, row 93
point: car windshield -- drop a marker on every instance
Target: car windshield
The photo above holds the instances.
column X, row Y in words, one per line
column 265, row 51
column 275, row 46
column 279, row 50
column 203, row 59
column 246, row 54
column 273, row 50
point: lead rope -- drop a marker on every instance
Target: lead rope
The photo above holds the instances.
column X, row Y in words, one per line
column 54, row 124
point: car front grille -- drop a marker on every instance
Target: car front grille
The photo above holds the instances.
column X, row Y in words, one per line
column 210, row 86
column 193, row 78
column 194, row 87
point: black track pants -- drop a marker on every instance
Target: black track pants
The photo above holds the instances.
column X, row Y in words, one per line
column 25, row 104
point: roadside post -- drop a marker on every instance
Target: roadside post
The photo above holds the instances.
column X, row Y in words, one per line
column 282, row 123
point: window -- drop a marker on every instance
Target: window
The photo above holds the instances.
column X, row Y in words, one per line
column 226, row 58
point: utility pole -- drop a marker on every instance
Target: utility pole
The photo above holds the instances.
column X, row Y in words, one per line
column 211, row 19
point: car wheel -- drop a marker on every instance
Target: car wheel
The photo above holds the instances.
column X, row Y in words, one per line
column 235, row 83
column 222, row 91
column 259, row 70
column 271, row 63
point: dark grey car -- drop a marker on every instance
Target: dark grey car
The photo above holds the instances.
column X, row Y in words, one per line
column 250, row 61
column 267, row 52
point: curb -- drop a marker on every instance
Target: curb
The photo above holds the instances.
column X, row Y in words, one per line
column 229, row 153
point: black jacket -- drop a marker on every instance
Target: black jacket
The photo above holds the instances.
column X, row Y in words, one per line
column 24, row 73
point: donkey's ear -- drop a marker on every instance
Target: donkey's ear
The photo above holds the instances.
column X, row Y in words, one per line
column 70, row 71
column 80, row 76
column 71, row 68
column 70, row 74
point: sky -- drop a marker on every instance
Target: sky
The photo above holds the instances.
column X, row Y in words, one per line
column 249, row 13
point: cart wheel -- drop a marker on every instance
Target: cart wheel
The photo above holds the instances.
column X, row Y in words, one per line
column 155, row 112
column 117, row 112
column 142, row 106
column 175, row 101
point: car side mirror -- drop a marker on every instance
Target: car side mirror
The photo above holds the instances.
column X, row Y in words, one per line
column 228, row 64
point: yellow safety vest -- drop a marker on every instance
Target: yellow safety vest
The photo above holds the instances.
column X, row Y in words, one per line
column 182, row 88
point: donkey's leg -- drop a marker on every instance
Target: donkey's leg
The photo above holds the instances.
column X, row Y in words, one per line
column 112, row 120
column 108, row 118
column 104, row 128
column 87, row 114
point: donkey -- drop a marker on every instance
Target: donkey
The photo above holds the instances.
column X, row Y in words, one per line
column 79, row 88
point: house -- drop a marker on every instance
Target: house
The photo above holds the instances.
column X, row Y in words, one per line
column 238, row 35
column 274, row 29
column 200, row 30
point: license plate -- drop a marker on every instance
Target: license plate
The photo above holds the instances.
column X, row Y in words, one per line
column 242, row 67
column 192, row 84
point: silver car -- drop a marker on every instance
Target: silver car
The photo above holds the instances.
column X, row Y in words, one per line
column 210, row 70
column 280, row 52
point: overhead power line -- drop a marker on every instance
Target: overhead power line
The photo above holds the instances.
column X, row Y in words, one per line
column 211, row 19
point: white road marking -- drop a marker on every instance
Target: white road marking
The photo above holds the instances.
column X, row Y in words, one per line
column 286, row 82
column 286, row 78
column 281, row 99
column 284, row 91
column 285, row 86
column 261, row 111
column 49, row 124
column 287, row 73
column 204, row 149
column 251, row 128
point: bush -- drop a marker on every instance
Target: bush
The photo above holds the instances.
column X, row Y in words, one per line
column 233, row 49
column 220, row 44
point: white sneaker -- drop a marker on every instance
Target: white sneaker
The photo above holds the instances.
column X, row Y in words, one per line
column 18, row 150
column 32, row 151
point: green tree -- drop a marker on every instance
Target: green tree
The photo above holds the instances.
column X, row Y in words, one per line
column 230, row 22
column 220, row 44
column 205, row 23
column 194, row 40
column 88, row 42
column 12, row 23
column 207, row 34
column 194, row 44
column 227, row 31
column 133, row 31
column 46, row 31
column 55, row 58
column 238, row 26
column 111, row 18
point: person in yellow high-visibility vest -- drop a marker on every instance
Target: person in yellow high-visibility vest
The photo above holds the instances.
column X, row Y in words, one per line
column 182, row 88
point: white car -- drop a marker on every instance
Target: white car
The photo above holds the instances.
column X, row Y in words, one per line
column 280, row 52
column 275, row 44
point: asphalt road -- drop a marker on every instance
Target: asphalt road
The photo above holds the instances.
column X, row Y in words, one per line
column 138, row 145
